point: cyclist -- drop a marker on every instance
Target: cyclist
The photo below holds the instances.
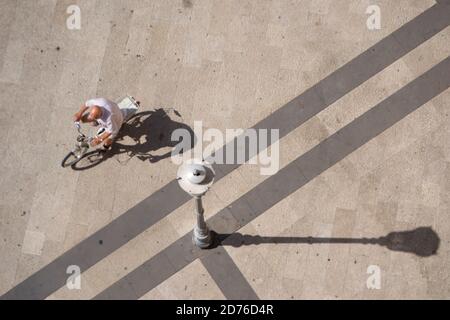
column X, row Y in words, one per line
column 105, row 113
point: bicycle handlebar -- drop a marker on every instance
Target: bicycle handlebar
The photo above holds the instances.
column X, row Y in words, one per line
column 78, row 126
column 88, row 138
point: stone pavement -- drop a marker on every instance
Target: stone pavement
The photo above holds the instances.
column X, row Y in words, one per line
column 364, row 178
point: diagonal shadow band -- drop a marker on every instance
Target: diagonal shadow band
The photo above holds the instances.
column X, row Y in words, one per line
column 227, row 276
column 168, row 198
column 423, row 241
column 289, row 179
column 348, row 77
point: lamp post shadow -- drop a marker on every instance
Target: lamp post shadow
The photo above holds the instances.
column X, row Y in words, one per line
column 423, row 241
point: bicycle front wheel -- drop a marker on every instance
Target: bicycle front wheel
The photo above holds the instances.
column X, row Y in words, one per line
column 69, row 160
column 89, row 160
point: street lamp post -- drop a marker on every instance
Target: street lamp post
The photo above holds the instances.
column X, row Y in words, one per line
column 196, row 177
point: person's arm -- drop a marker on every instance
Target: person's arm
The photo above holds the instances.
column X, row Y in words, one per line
column 112, row 129
column 77, row 116
column 101, row 138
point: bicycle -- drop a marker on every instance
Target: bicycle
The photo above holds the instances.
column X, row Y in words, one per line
column 81, row 151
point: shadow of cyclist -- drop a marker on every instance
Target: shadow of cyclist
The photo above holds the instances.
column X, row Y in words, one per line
column 150, row 131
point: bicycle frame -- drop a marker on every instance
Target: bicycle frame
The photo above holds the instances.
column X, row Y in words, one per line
column 83, row 142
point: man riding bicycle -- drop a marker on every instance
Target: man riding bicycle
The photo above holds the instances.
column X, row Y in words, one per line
column 105, row 113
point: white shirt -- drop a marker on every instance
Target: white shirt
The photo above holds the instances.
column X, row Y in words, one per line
column 112, row 117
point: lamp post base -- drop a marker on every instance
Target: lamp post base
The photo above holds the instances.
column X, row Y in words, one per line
column 202, row 238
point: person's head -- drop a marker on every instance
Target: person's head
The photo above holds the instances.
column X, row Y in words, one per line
column 94, row 113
